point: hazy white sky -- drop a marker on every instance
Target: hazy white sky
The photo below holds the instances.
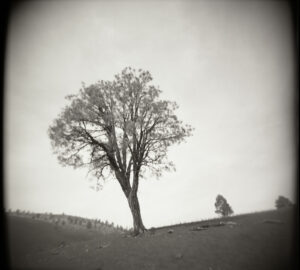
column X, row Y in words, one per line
column 229, row 66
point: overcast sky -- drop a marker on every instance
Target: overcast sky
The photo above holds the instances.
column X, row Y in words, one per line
column 228, row 65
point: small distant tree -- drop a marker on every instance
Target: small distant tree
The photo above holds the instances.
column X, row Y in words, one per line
column 89, row 224
column 70, row 220
column 283, row 202
column 222, row 206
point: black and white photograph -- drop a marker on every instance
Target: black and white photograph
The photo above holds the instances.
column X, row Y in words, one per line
column 151, row 135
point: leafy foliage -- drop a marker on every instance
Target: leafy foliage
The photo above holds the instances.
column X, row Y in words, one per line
column 116, row 127
column 283, row 202
column 222, row 206
column 89, row 225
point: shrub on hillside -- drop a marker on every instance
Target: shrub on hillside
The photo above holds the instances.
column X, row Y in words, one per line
column 89, row 224
column 222, row 206
column 283, row 202
column 70, row 220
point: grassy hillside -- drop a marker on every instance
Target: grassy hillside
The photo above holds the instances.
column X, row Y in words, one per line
column 74, row 222
column 255, row 241
column 31, row 236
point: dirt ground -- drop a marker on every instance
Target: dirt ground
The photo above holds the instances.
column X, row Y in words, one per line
column 254, row 241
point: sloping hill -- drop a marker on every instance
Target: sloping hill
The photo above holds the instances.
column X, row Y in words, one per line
column 259, row 241
column 28, row 236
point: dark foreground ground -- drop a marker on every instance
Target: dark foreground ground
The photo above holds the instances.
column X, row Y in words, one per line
column 259, row 241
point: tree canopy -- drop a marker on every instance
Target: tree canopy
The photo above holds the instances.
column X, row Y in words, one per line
column 222, row 206
column 283, row 202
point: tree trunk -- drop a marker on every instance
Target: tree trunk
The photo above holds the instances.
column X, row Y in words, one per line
column 138, row 226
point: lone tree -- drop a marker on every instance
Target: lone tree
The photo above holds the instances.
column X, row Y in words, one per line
column 119, row 128
column 222, row 206
column 283, row 202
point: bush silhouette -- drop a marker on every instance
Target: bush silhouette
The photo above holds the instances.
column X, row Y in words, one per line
column 89, row 225
column 283, row 202
column 222, row 206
